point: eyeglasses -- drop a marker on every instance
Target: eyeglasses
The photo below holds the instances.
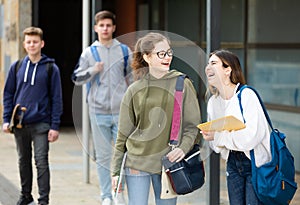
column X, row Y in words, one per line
column 162, row 54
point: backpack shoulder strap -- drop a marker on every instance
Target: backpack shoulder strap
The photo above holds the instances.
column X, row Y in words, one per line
column 17, row 68
column 180, row 82
column 124, row 51
column 97, row 58
column 49, row 68
column 260, row 101
column 18, row 65
column 95, row 53
column 125, row 56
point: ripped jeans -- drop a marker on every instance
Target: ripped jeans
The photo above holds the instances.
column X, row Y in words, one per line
column 138, row 187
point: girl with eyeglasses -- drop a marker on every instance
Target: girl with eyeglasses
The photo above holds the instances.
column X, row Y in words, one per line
column 146, row 119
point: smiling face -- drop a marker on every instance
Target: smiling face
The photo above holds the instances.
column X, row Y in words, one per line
column 33, row 45
column 158, row 66
column 217, row 75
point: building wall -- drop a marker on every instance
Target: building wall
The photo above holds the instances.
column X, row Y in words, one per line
column 15, row 16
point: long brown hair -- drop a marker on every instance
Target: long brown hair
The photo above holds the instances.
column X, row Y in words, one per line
column 144, row 45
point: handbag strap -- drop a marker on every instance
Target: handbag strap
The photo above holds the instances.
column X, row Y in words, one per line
column 260, row 101
column 263, row 107
column 176, row 118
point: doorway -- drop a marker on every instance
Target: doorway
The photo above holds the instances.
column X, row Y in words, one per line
column 61, row 21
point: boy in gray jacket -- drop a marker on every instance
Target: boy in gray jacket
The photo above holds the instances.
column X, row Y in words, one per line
column 104, row 67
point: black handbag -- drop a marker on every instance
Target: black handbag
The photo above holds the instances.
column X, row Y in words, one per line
column 187, row 175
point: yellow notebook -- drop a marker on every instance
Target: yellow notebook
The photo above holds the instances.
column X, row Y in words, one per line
column 224, row 123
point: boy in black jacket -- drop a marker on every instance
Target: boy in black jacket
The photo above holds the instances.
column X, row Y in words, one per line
column 35, row 84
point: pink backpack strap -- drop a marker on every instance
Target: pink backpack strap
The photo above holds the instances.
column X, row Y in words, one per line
column 176, row 118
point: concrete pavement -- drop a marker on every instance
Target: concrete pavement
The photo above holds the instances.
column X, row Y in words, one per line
column 67, row 186
column 67, row 183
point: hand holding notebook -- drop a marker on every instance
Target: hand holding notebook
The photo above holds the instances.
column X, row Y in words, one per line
column 228, row 123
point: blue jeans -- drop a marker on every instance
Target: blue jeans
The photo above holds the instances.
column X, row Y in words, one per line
column 239, row 185
column 36, row 134
column 104, row 131
column 138, row 187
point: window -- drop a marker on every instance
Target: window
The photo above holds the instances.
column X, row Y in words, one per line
column 276, row 74
column 274, row 49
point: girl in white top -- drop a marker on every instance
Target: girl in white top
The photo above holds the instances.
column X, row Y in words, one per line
column 224, row 76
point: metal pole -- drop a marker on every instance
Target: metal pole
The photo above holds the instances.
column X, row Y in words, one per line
column 208, row 27
column 208, row 50
column 93, row 20
column 85, row 113
column 213, row 43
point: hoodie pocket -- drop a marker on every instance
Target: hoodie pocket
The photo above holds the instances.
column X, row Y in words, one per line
column 35, row 113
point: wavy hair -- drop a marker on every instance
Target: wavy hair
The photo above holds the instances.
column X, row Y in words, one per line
column 144, row 45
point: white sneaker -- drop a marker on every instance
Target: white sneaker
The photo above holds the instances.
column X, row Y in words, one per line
column 106, row 201
column 119, row 199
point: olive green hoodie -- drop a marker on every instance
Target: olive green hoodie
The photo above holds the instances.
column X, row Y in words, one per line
column 145, row 122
